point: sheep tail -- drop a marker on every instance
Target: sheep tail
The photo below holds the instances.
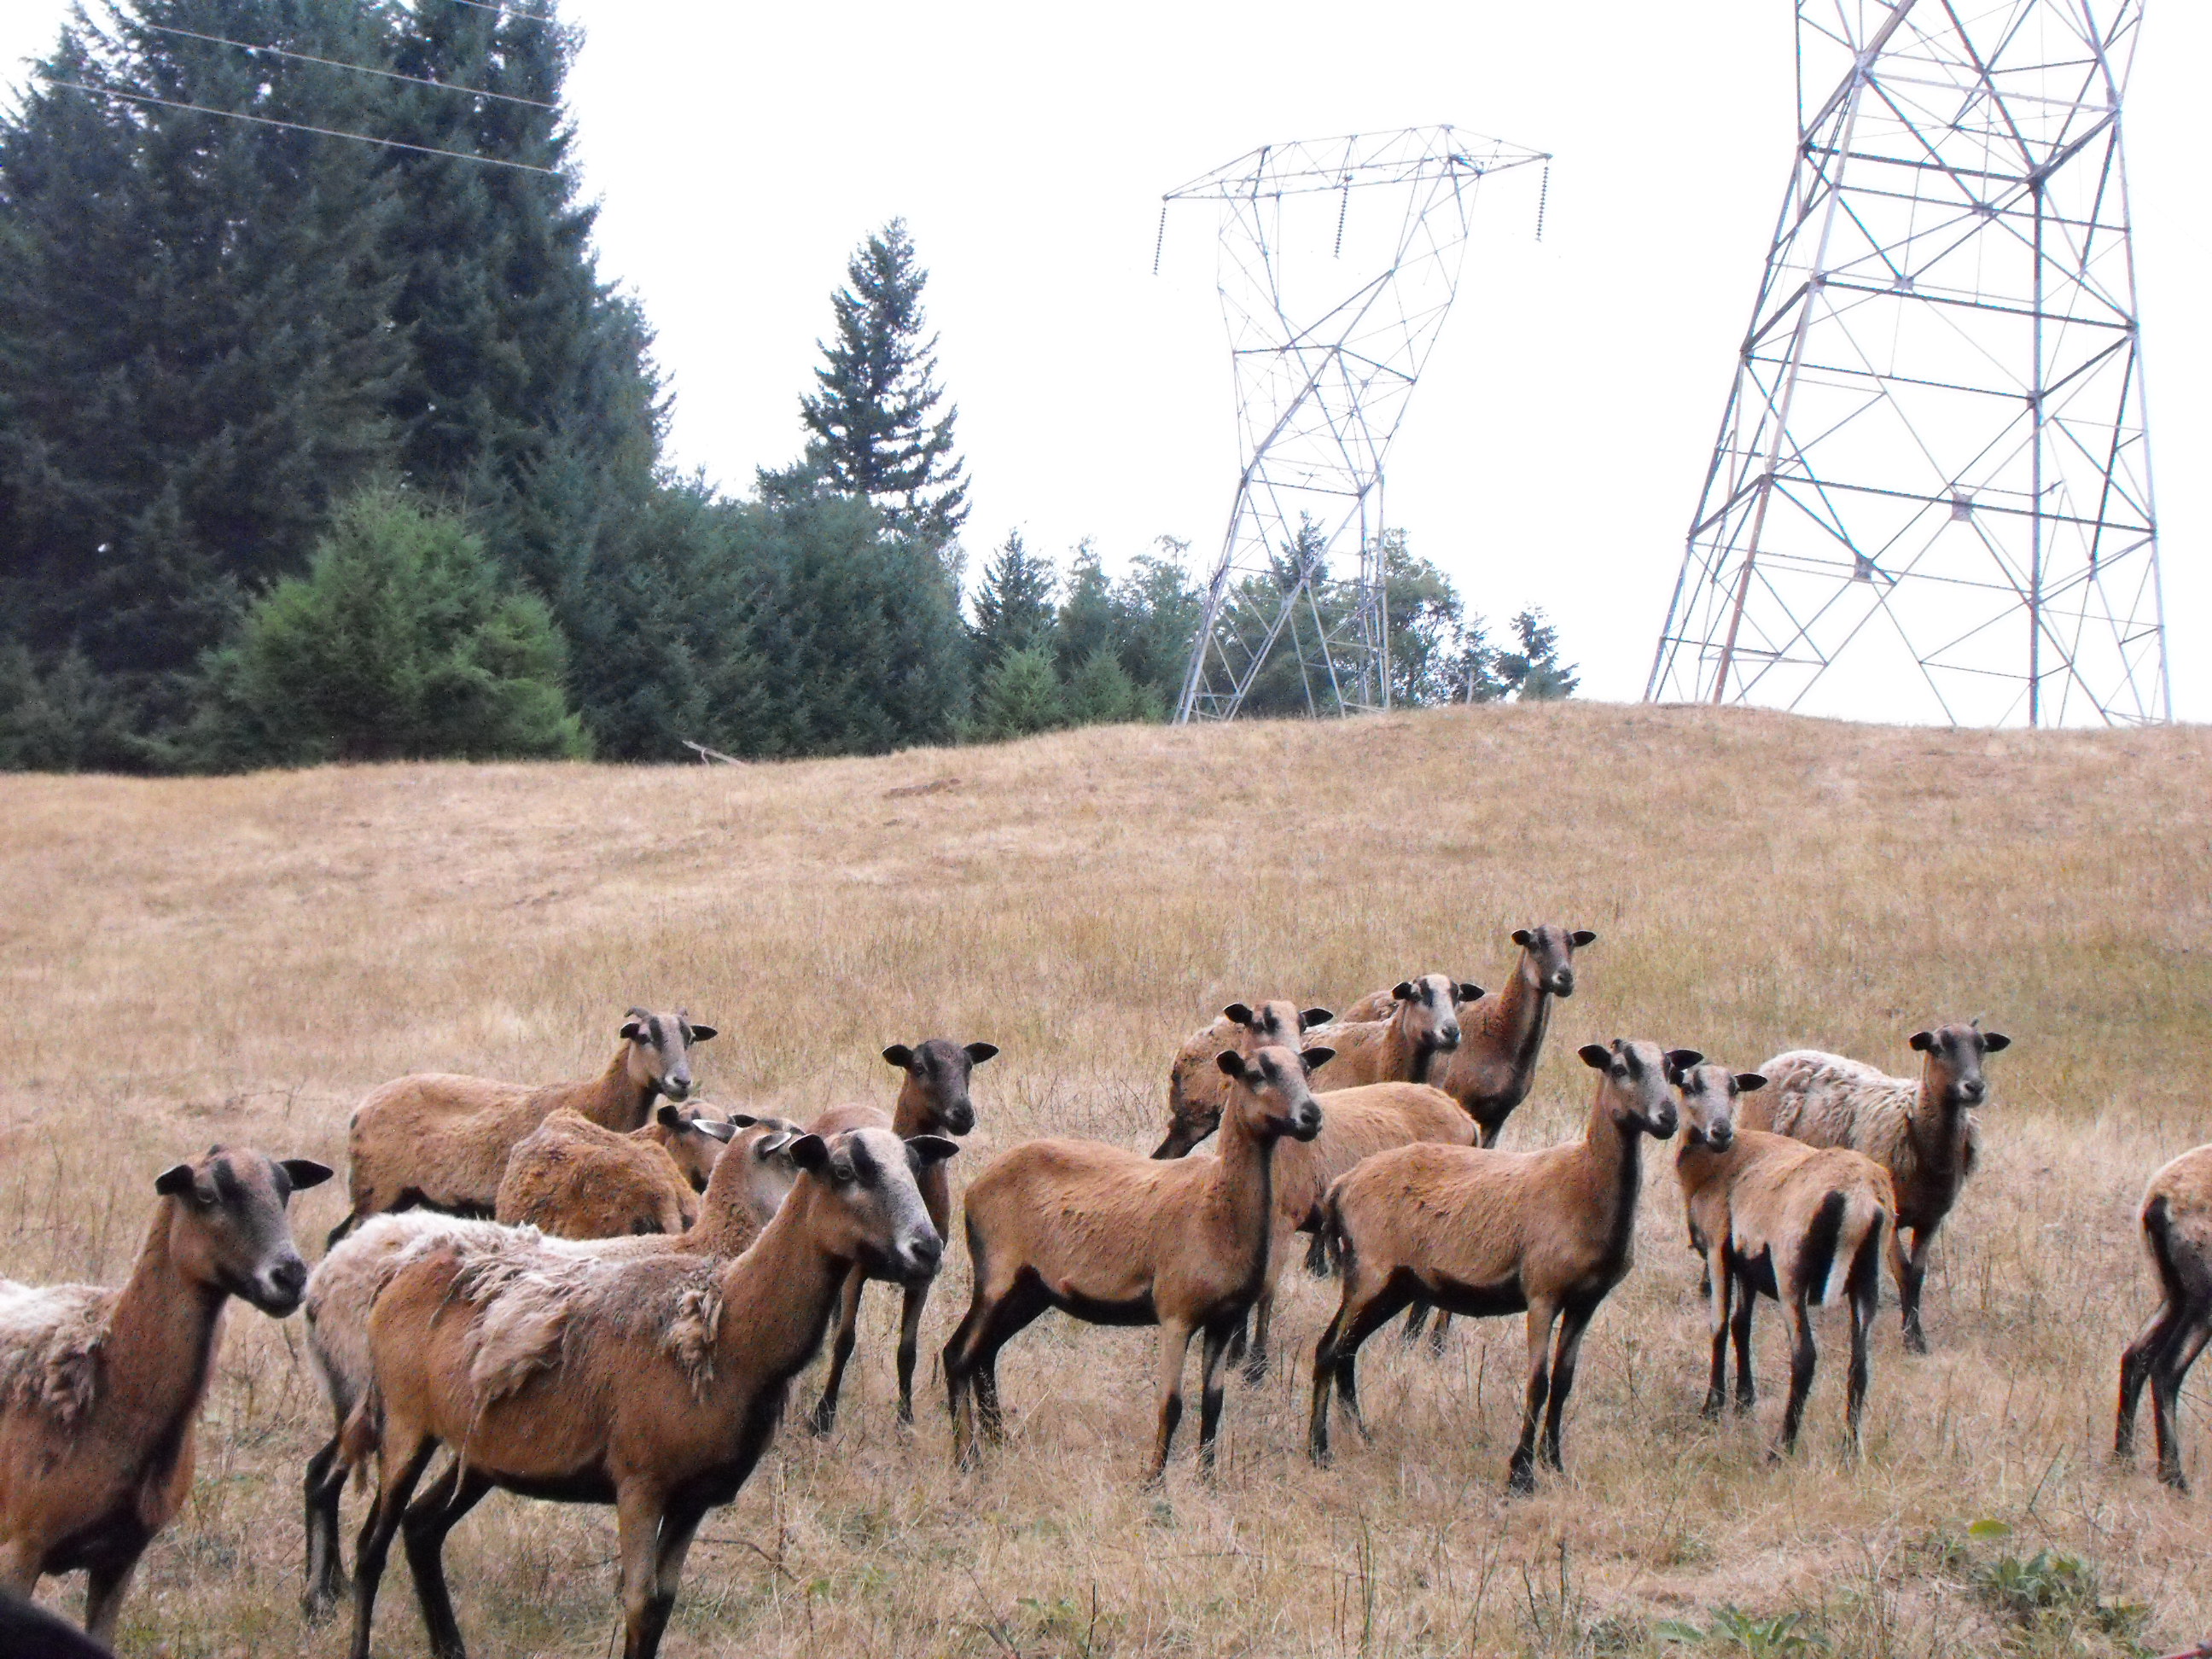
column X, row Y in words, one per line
column 1330, row 1244
column 1822, row 1257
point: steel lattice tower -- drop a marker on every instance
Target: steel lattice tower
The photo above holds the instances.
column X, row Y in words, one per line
column 1323, row 369
column 1934, row 474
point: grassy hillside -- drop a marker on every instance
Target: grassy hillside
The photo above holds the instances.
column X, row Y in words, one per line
column 238, row 959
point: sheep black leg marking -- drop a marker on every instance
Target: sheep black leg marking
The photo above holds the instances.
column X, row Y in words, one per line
column 1573, row 1321
column 823, row 1417
column 1263, row 1319
column 1521, row 1473
column 2166, row 1382
column 424, row 1526
column 104, row 1581
column 1864, row 1290
column 2136, row 1366
column 1912, row 1274
column 1175, row 1348
column 1417, row 1320
column 909, row 1338
column 326, row 1579
column 1747, row 1303
column 1213, row 1357
column 1719, row 1283
column 376, row 1535
column 1803, row 1357
column 1318, row 1254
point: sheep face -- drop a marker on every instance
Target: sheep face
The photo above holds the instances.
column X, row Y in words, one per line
column 1547, row 956
column 1709, row 1096
column 936, row 1087
column 874, row 1215
column 228, row 1227
column 693, row 1140
column 661, row 1045
column 1953, row 1063
column 1636, row 1082
column 1430, row 1007
column 1277, row 1095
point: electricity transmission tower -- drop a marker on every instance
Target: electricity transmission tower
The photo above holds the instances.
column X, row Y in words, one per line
column 1326, row 353
column 1931, row 496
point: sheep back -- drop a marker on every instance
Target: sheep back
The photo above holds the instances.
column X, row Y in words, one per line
column 1355, row 1124
column 1827, row 1100
column 50, row 1337
column 572, row 1179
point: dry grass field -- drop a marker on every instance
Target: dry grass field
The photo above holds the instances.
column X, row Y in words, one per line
column 238, row 959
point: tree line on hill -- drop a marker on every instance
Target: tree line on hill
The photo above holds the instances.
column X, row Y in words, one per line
column 314, row 449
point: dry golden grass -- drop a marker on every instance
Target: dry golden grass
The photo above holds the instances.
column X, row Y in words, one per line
column 239, row 959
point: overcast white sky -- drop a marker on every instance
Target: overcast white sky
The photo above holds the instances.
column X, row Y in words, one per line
column 1554, row 451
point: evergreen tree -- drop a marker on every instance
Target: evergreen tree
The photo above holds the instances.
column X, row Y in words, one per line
column 1090, row 619
column 1100, row 693
column 1158, row 609
column 398, row 644
column 194, row 340
column 1534, row 670
column 1013, row 606
column 876, row 431
column 1020, row 694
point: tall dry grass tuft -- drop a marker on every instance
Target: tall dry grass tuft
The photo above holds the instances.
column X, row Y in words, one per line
column 241, row 958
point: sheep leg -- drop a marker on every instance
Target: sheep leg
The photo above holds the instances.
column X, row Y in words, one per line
column 1175, row 1348
column 1213, row 1358
column 1912, row 1267
column 971, row 1364
column 1746, row 1305
column 1417, row 1319
column 2135, row 1367
column 424, row 1528
column 1804, row 1356
column 909, row 1338
column 397, row 1485
column 823, row 1417
column 1520, row 1474
column 1573, row 1321
column 19, row 1569
column 1866, row 1301
column 2166, row 1395
column 678, row 1528
column 1318, row 1254
column 106, row 1580
column 326, row 1579
column 639, row 1510
column 1719, row 1283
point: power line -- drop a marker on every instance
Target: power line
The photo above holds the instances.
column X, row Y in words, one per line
column 484, row 5
column 295, row 126
column 363, row 69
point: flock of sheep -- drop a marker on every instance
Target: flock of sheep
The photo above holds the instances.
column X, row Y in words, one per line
column 624, row 1327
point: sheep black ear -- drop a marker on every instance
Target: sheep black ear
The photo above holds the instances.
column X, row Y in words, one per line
column 713, row 1130
column 811, row 1153
column 1313, row 1017
column 702, row 1033
column 1684, row 1059
column 979, row 1051
column 1403, row 990
column 926, row 1150
column 668, row 1117
column 633, row 1032
column 1923, row 1041
column 1595, row 1056
column 899, row 1055
column 303, row 1172
column 1992, row 1042
column 177, row 1178
column 1316, row 1058
column 1231, row 1064
column 1581, row 937
column 1749, row 1081
column 1523, row 937
column 1469, row 991
column 1238, row 1012
column 742, row 1120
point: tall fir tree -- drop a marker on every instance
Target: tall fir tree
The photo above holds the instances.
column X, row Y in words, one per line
column 1013, row 605
column 876, row 431
column 195, row 348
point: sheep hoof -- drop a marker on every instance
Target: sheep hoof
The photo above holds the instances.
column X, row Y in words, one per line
column 1710, row 1411
column 2174, row 1480
column 1914, row 1341
column 822, row 1420
column 1522, row 1480
column 1255, row 1370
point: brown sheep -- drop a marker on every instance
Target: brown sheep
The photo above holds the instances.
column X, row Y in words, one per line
column 1501, row 1036
column 2177, row 1232
column 100, row 1390
column 1487, row 1233
column 1774, row 1217
column 933, row 1099
column 572, row 1179
column 651, row 1384
column 1923, row 1131
column 441, row 1141
column 1355, row 1124
column 1109, row 1235
column 1197, row 1091
column 1403, row 1044
column 748, row 1185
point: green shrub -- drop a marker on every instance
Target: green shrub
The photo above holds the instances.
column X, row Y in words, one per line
column 1020, row 694
column 399, row 643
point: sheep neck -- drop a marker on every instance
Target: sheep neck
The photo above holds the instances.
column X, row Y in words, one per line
column 614, row 1100
column 1937, row 1125
column 914, row 1113
column 1524, row 1009
column 726, row 1224
column 160, row 1348
column 1615, row 1151
column 1244, row 1183
column 786, row 1286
